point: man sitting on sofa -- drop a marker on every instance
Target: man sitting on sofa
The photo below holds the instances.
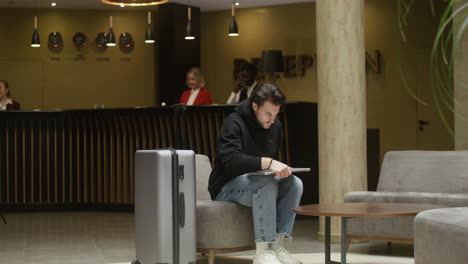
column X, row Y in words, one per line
column 249, row 141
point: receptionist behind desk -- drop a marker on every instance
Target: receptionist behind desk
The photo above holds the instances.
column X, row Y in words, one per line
column 6, row 103
column 196, row 94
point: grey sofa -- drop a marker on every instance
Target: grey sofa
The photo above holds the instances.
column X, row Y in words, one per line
column 222, row 227
column 427, row 177
column 441, row 236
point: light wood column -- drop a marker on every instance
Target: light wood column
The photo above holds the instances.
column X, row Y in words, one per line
column 341, row 102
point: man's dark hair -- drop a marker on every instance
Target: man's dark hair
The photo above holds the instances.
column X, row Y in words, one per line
column 6, row 86
column 249, row 67
column 268, row 92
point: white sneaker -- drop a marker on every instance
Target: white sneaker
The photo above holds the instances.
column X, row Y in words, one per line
column 284, row 257
column 266, row 257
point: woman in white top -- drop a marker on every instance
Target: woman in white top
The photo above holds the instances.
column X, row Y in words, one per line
column 196, row 94
column 6, row 103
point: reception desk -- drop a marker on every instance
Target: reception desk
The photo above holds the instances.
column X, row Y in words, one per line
column 84, row 159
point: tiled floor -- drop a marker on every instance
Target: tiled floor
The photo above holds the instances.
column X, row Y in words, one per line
column 100, row 237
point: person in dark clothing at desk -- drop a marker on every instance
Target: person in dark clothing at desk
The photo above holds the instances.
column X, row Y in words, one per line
column 244, row 85
column 249, row 141
column 6, row 103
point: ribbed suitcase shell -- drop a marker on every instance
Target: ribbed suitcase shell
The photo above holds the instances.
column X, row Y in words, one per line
column 158, row 211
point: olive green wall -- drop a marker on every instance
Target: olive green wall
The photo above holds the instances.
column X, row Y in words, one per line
column 41, row 78
column 291, row 28
column 44, row 79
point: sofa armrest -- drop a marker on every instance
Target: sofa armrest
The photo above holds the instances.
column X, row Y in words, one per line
column 446, row 199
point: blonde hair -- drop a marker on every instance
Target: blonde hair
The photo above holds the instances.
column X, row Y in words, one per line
column 198, row 76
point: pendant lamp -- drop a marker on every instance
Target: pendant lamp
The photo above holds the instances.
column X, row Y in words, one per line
column 36, row 42
column 188, row 30
column 149, row 31
column 233, row 31
column 110, row 35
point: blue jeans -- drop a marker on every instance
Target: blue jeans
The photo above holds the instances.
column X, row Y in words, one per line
column 272, row 200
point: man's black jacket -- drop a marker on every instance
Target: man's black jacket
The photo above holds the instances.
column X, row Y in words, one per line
column 240, row 145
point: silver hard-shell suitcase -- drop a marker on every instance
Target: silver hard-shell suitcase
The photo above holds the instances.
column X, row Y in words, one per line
column 165, row 205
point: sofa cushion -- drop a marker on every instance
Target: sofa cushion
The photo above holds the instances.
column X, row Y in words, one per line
column 424, row 171
column 395, row 227
column 203, row 171
column 382, row 227
column 445, row 199
column 441, row 236
column 223, row 225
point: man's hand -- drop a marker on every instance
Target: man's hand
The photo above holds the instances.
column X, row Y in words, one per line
column 238, row 86
column 280, row 169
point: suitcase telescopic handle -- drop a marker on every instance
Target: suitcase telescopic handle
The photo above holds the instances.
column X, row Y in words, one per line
column 182, row 209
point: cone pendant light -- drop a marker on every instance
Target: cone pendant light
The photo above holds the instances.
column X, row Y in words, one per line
column 149, row 37
column 36, row 42
column 188, row 30
column 233, row 31
column 110, row 35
